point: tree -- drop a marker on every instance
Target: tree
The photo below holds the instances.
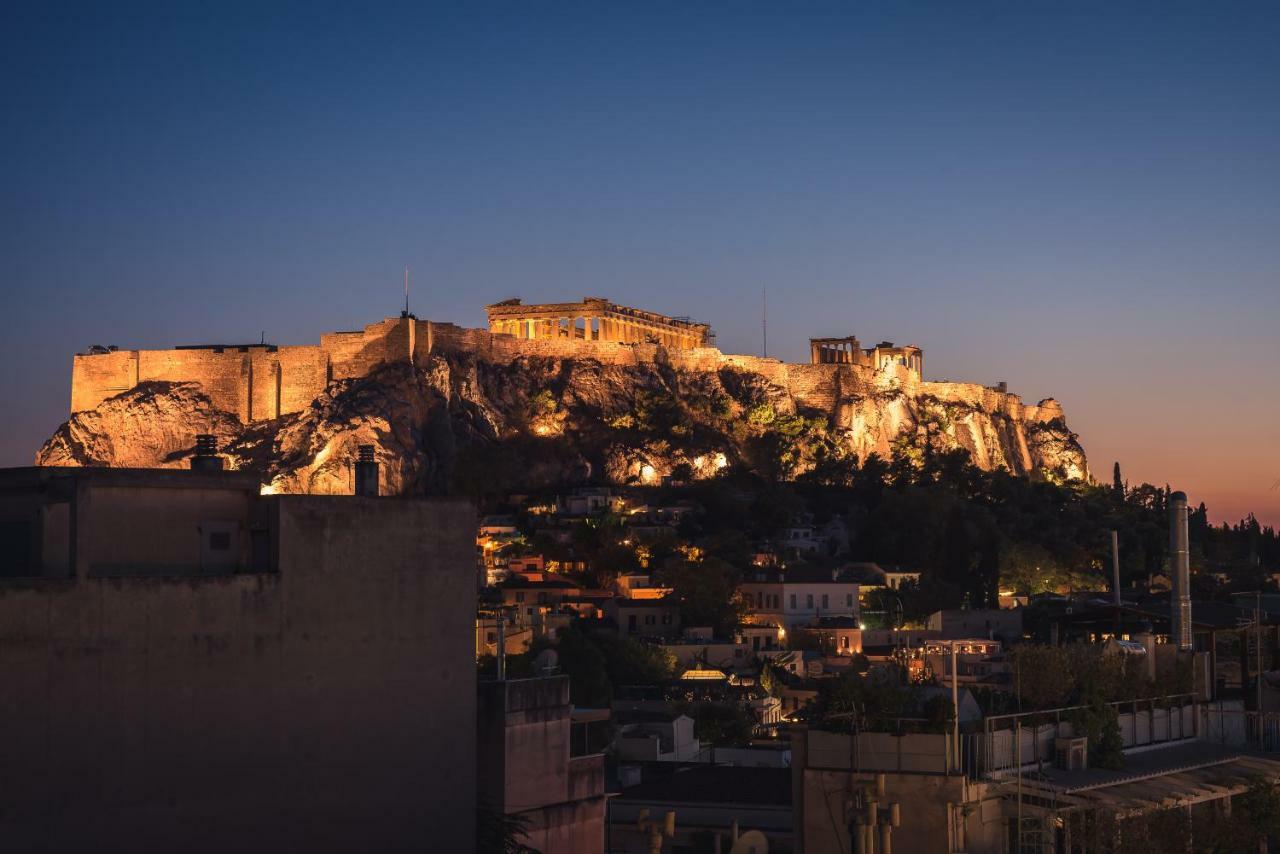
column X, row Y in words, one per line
column 1117, row 483
column 1043, row 678
column 1098, row 721
column 722, row 723
column 584, row 663
column 706, row 591
column 500, row 833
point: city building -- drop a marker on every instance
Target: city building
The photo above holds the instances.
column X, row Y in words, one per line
column 529, row 770
column 798, row 596
column 189, row 665
column 651, row 618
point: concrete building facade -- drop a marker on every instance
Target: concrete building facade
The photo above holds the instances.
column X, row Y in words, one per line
column 527, row 768
column 190, row 666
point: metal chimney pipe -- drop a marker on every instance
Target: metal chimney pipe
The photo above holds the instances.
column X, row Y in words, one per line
column 366, row 472
column 206, row 456
column 1180, row 569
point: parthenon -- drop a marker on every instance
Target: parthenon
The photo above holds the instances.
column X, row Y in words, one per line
column 595, row 319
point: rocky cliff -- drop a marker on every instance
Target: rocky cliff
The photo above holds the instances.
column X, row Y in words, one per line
column 456, row 421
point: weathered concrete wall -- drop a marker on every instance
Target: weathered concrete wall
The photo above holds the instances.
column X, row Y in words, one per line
column 525, row 767
column 329, row 707
column 822, row 779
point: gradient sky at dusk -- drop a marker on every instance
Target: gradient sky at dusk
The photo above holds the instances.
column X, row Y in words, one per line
column 1080, row 199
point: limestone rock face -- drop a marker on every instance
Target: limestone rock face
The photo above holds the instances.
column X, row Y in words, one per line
column 152, row 426
column 455, row 422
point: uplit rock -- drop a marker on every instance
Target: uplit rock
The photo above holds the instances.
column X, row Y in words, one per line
column 451, row 421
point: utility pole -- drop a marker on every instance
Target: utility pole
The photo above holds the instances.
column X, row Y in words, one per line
column 1257, row 617
column 502, row 645
column 955, row 705
column 1115, row 566
column 1115, row 577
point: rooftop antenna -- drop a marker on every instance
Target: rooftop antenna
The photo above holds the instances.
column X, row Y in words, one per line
column 764, row 321
column 406, row 292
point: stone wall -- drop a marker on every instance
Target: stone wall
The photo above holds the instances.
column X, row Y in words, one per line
column 259, row 383
column 255, row 382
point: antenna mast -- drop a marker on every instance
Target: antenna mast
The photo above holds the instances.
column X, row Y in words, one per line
column 406, row 291
column 764, row 320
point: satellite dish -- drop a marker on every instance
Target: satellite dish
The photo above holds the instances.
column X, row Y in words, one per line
column 751, row 842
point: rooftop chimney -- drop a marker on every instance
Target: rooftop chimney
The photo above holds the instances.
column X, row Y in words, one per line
column 1180, row 569
column 206, row 456
column 366, row 472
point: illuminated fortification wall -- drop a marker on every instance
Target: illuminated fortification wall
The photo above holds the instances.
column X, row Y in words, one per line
column 254, row 381
column 259, row 382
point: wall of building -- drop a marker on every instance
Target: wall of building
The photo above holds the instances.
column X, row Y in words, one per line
column 326, row 707
column 523, row 757
column 822, row 778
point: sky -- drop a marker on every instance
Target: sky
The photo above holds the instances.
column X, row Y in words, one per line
column 1080, row 199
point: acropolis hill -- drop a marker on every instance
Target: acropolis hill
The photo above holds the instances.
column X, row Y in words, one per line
column 578, row 375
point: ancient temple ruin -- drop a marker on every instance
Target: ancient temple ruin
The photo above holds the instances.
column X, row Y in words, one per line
column 847, row 351
column 596, row 319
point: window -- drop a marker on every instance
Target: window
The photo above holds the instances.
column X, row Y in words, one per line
column 793, row 601
column 848, row 600
column 666, row 619
column 808, row 601
column 492, row 638
column 520, row 596
column 649, row 620
column 824, row 601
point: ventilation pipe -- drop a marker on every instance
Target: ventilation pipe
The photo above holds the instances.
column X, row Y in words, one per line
column 1180, row 569
column 366, row 472
column 206, row 456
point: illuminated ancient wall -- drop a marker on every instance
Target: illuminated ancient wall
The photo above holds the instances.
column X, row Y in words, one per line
column 258, row 382
column 255, row 381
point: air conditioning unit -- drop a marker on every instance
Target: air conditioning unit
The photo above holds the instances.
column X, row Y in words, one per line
column 1071, row 754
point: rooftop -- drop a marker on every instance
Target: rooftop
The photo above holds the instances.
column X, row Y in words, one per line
column 717, row 784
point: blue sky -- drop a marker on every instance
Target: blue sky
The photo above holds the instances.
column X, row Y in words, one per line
column 1080, row 199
